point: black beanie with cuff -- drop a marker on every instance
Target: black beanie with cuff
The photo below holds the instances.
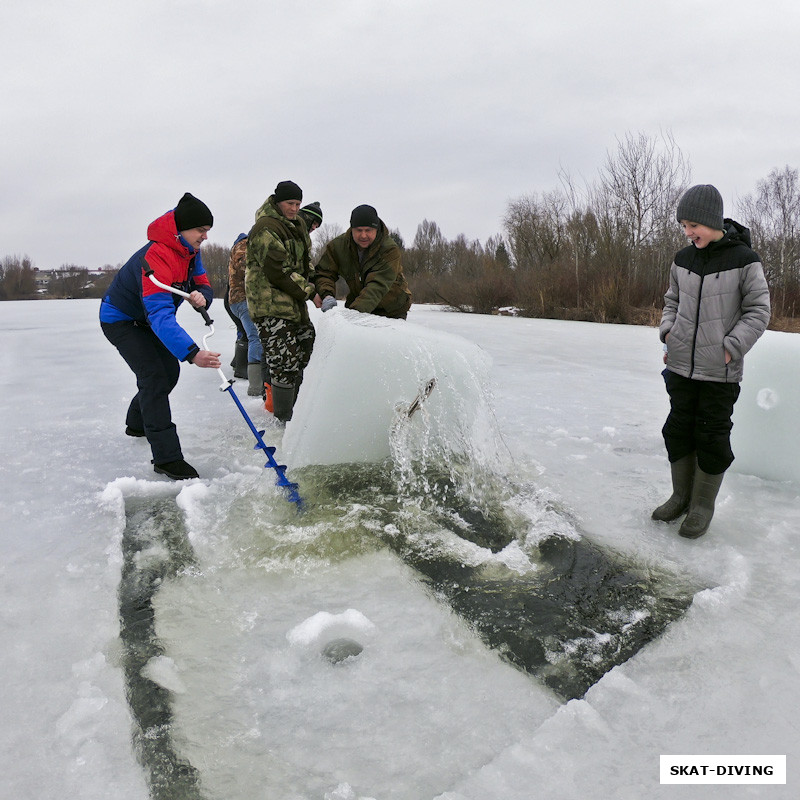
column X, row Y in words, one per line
column 364, row 217
column 192, row 213
column 287, row 190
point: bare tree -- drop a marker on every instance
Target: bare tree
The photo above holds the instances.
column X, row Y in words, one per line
column 535, row 226
column 466, row 258
column 215, row 259
column 582, row 234
column 635, row 200
column 430, row 249
column 320, row 238
column 17, row 278
column 772, row 213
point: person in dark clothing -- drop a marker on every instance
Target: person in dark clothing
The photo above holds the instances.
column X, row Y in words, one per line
column 138, row 318
column 312, row 215
column 241, row 343
column 369, row 260
column 716, row 308
column 238, row 304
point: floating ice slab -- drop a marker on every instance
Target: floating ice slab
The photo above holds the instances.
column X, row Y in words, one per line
column 260, row 695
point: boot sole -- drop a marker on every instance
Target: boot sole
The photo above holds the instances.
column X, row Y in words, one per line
column 173, row 475
column 692, row 535
column 671, row 517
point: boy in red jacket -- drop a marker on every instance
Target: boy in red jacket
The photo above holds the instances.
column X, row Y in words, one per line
column 138, row 318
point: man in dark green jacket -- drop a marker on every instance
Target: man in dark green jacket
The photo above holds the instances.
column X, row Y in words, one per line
column 278, row 282
column 369, row 261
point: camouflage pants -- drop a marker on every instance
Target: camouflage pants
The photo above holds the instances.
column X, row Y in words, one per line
column 287, row 348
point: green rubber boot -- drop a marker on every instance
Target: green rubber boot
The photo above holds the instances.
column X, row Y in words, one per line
column 255, row 386
column 701, row 507
column 682, row 479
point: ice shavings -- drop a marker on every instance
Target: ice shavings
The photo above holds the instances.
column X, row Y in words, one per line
column 163, row 671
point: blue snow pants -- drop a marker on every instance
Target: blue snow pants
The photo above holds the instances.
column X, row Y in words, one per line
column 157, row 372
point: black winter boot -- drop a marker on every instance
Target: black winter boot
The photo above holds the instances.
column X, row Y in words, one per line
column 701, row 507
column 239, row 361
column 177, row 470
column 682, row 479
column 282, row 402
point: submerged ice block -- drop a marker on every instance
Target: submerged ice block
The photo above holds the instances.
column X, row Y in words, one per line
column 766, row 418
column 365, row 373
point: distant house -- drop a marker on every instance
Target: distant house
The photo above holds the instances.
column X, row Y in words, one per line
column 71, row 281
column 42, row 278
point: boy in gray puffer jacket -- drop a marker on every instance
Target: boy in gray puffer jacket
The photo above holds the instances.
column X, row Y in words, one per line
column 716, row 308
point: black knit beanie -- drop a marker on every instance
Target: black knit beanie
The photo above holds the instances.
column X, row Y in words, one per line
column 702, row 204
column 364, row 217
column 312, row 213
column 287, row 190
column 192, row 213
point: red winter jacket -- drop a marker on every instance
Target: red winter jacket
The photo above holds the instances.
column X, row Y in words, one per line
column 133, row 296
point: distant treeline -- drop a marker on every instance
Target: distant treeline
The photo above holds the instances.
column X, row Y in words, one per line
column 599, row 251
column 20, row 280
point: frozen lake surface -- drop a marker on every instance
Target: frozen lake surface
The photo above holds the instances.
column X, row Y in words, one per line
column 522, row 621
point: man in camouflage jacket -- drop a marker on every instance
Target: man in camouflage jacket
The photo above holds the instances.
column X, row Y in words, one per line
column 278, row 282
column 369, row 261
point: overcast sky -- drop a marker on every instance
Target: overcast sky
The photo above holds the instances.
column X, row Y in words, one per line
column 427, row 109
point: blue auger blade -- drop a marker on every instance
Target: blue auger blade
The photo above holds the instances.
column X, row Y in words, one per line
column 280, row 469
column 282, row 480
column 294, row 497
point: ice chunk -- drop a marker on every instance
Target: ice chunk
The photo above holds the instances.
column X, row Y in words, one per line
column 163, row 671
column 766, row 425
column 344, row 791
column 324, row 623
column 80, row 721
column 365, row 373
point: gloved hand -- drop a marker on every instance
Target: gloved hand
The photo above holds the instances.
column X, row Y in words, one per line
column 328, row 303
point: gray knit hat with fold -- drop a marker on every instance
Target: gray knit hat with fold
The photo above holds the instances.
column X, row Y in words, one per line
column 702, row 204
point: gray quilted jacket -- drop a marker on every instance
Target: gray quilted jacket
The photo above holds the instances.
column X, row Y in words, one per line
column 717, row 300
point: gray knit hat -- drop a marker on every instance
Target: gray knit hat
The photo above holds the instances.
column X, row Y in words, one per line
column 702, row 204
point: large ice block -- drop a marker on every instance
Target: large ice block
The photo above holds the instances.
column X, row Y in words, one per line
column 365, row 373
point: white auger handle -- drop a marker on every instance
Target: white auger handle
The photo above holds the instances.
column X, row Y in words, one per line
column 209, row 322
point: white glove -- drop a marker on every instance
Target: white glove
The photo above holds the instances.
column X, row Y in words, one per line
column 328, row 303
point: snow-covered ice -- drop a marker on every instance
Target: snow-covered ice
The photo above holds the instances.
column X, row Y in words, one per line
column 243, row 595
